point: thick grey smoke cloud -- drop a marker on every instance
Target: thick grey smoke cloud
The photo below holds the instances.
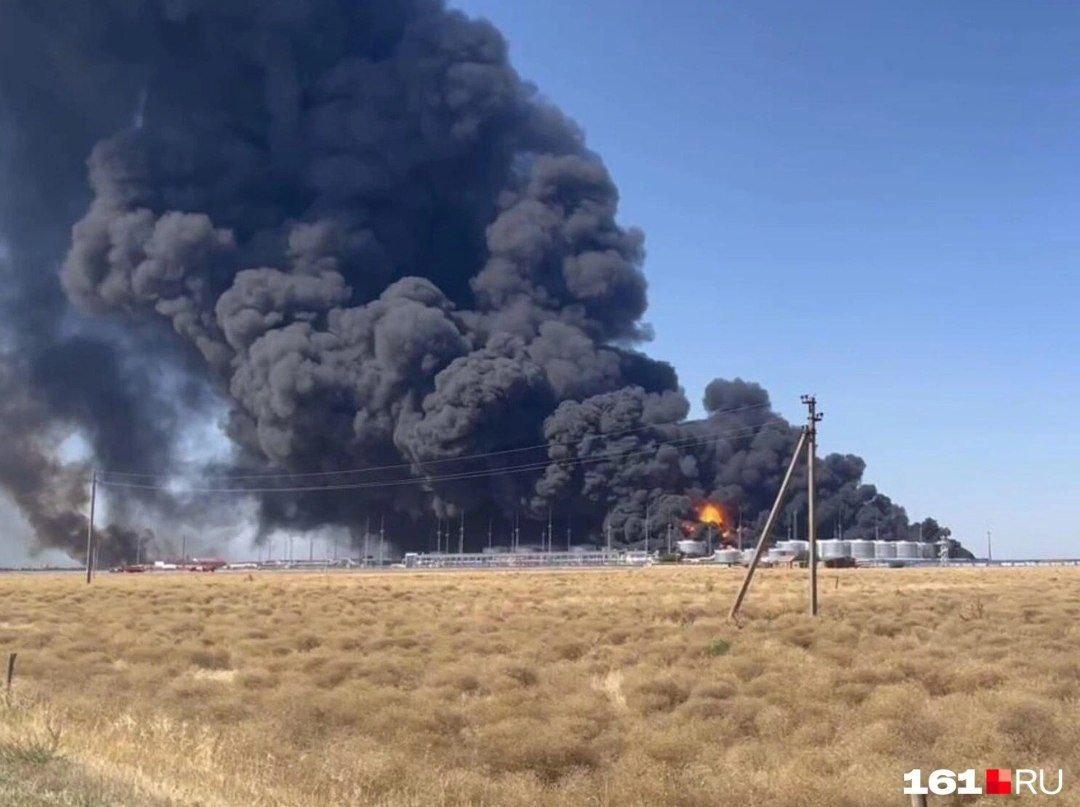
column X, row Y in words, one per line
column 358, row 227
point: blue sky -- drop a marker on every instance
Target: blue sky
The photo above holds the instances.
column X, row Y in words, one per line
column 872, row 201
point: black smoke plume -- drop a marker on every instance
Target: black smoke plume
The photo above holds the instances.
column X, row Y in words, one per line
column 353, row 228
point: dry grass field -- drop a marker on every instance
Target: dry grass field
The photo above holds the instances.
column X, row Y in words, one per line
column 544, row 688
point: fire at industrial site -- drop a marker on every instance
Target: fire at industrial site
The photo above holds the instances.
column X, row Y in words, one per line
column 357, row 446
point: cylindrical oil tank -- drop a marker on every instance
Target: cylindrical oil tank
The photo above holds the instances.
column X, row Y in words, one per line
column 832, row 548
column 928, row 551
column 862, row 549
column 908, row 550
column 796, row 548
column 692, row 549
column 747, row 555
column 728, row 556
column 884, row 549
column 777, row 555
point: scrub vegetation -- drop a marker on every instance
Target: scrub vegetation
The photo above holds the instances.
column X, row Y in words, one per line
column 620, row 687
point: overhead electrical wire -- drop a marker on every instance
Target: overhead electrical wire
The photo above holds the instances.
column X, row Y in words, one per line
column 534, row 466
column 699, row 439
column 103, row 474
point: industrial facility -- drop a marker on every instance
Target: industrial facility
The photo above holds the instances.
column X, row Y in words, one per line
column 843, row 552
column 784, row 553
column 521, row 560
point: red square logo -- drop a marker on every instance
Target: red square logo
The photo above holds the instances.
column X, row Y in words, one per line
column 998, row 782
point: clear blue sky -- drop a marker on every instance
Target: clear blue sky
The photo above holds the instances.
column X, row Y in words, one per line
column 874, row 201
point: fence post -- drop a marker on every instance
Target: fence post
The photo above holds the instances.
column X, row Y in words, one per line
column 10, row 671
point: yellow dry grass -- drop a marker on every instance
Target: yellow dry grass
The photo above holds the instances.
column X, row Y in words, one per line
column 624, row 687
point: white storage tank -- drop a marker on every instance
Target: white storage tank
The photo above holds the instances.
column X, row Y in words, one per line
column 929, row 551
column 777, row 555
column 796, row 548
column 728, row 556
column 747, row 556
column 908, row 550
column 862, row 549
column 832, row 548
column 884, row 549
column 692, row 549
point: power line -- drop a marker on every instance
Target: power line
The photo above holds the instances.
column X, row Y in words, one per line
column 533, row 466
column 539, row 465
column 397, row 466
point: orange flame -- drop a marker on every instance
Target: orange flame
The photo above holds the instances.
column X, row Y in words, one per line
column 706, row 513
column 710, row 513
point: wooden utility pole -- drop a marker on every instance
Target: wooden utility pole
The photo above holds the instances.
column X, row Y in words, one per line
column 812, row 418
column 90, row 529
column 764, row 539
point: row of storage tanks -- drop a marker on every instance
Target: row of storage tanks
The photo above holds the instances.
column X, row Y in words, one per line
column 831, row 549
